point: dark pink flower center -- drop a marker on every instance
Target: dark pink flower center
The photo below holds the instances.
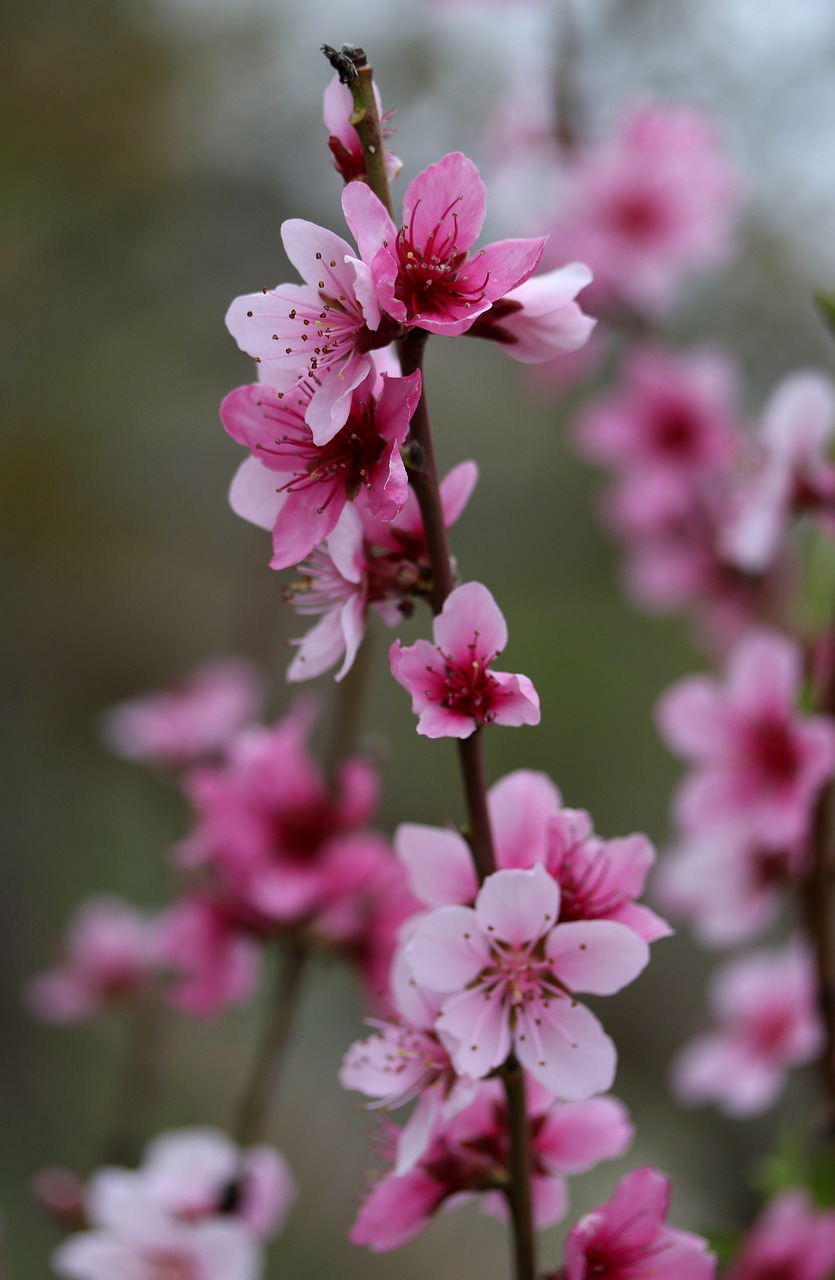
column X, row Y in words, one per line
column 345, row 463
column 584, row 892
column 637, row 215
column 436, row 277
column 774, row 751
column 299, row 834
column 467, row 688
column 675, row 431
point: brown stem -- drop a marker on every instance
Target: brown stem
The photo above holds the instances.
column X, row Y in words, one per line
column 260, row 1089
column 424, row 479
column 519, row 1191
column 353, row 68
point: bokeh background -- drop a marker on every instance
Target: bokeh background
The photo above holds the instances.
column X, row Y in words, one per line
column 149, row 154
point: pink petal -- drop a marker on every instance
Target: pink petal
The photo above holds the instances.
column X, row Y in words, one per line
column 509, row 263
column 330, row 407
column 518, row 906
column 521, row 807
column 323, row 645
column 568, row 1051
column 301, row 523
column 439, row 864
column 693, row 718
column 579, row 1135
column 598, row 956
column 470, row 610
column 318, row 254
column 456, row 490
column 517, row 701
column 476, row 1028
column 253, row 494
column 369, row 222
column 447, row 949
column 452, row 186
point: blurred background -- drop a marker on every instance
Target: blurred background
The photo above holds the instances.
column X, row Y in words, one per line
column 150, row 152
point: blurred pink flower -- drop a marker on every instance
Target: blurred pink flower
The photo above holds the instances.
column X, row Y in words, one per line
column 792, row 1240
column 191, row 719
column 628, row 1239
column 211, row 963
column 540, row 320
column 767, row 1022
column 758, row 764
column 647, row 206
column 794, row 473
column 454, row 690
column 108, row 960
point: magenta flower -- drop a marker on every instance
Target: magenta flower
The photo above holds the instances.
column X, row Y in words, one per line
column 423, row 273
column 759, row 765
column 598, row 879
column 343, row 139
column 190, row 720
column 647, row 206
column 470, row 1155
column 794, row 473
column 792, row 1240
column 767, row 1019
column 324, row 329
column 362, row 458
column 454, row 691
column 276, row 839
column 108, row 961
column 507, row 972
column 627, row 1238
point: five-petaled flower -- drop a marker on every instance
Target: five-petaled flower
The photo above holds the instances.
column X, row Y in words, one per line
column 454, row 690
column 507, row 971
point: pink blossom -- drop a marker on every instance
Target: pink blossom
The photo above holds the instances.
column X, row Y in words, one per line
column 212, row 963
column 366, row 563
column 674, row 413
column 627, row 1238
column 405, row 1059
column 192, row 719
column 470, row 1155
column 598, row 879
column 195, row 1174
column 108, row 960
column 758, row 765
column 647, row 206
column 791, row 1240
column 133, row 1238
column 767, row 1022
column 362, row 458
column 454, row 691
column 343, row 139
column 728, row 890
column 324, row 329
column 540, row 319
column 794, row 474
column 422, row 271
column 277, row 840
column 507, row 972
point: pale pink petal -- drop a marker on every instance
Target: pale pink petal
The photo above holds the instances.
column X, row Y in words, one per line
column 577, row 1136
column 439, row 863
column 476, row 1028
column 318, row 255
column 352, row 622
column 301, row 524
column 447, row 949
column 319, row 649
column 521, row 807
column 254, row 496
column 468, row 611
column 693, row 717
column 568, row 1051
column 764, row 672
column 367, row 217
column 598, row 956
column 330, row 407
column 799, row 418
column 416, row 1134
column 517, row 701
column 518, row 906
column 456, row 490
